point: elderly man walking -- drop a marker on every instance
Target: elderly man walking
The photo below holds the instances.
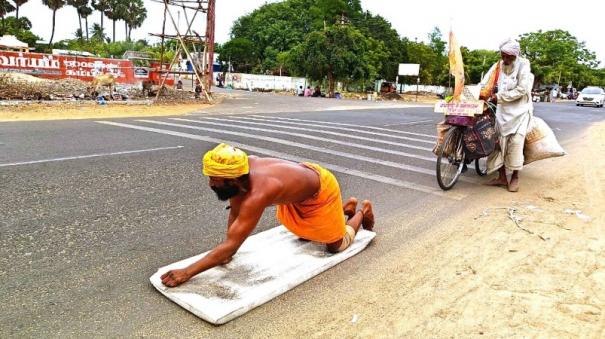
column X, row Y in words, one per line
column 508, row 83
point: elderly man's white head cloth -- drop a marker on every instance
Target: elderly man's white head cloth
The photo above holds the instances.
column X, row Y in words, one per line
column 511, row 47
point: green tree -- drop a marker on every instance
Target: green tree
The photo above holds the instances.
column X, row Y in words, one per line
column 18, row 4
column 21, row 29
column 436, row 41
column 76, row 4
column 96, row 34
column 477, row 63
column 329, row 12
column 422, row 54
column 85, row 11
column 380, row 29
column 439, row 64
column 137, row 13
column 558, row 57
column 273, row 28
column 339, row 53
column 5, row 8
column 116, row 10
column 240, row 52
column 54, row 5
column 282, row 61
column 101, row 6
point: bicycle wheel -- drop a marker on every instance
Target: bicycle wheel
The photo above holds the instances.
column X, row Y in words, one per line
column 481, row 166
column 450, row 160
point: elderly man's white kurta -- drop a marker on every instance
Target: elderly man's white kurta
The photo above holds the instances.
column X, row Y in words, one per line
column 513, row 113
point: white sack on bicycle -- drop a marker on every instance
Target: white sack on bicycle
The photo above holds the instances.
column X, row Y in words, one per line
column 540, row 142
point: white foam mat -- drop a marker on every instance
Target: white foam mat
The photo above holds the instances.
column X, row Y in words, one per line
column 267, row 265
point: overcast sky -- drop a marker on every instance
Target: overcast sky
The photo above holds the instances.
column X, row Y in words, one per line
column 478, row 24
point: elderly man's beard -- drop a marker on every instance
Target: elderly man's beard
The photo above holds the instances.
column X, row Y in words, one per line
column 508, row 69
column 226, row 192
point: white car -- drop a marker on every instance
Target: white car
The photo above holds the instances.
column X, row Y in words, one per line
column 593, row 96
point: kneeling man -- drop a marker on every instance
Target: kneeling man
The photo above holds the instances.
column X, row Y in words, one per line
column 307, row 197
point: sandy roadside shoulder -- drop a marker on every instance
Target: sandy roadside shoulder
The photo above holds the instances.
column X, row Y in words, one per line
column 530, row 264
column 91, row 110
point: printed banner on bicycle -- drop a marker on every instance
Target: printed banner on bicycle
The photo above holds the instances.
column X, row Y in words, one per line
column 464, row 108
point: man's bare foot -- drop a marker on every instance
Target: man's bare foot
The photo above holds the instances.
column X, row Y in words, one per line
column 513, row 186
column 350, row 207
column 497, row 182
column 368, row 215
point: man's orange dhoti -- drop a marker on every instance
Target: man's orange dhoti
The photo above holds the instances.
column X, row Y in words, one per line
column 319, row 218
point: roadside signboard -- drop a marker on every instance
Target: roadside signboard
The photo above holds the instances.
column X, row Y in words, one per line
column 409, row 69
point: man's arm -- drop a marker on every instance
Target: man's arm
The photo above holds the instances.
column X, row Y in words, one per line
column 249, row 215
column 524, row 85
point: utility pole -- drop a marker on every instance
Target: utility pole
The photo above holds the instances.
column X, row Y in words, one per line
column 210, row 20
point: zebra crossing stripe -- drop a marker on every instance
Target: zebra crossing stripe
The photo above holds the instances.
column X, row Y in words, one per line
column 275, row 154
column 344, row 129
column 396, row 131
column 410, row 168
column 308, row 136
column 347, row 136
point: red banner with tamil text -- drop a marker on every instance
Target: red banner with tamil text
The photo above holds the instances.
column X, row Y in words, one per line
column 68, row 66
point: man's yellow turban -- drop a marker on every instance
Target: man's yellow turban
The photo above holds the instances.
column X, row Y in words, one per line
column 225, row 161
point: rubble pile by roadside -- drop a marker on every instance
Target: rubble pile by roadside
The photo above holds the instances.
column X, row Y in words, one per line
column 15, row 86
column 167, row 95
column 391, row 96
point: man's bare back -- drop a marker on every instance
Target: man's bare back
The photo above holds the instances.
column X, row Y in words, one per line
column 286, row 182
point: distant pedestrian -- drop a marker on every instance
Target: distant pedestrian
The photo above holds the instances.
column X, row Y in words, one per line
column 198, row 89
column 317, row 92
column 308, row 91
column 553, row 95
column 300, row 92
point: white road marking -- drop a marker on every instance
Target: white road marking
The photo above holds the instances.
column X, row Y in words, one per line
column 345, row 129
column 412, row 123
column 351, row 125
column 368, row 107
column 346, row 136
column 88, row 156
column 336, row 168
column 309, row 147
column 307, row 136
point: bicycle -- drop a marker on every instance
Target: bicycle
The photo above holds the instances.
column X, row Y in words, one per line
column 451, row 156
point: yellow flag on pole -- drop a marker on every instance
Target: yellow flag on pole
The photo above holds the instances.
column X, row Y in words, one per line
column 456, row 66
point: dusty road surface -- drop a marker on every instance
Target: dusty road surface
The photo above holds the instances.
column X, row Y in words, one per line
column 530, row 264
column 91, row 110
column 91, row 208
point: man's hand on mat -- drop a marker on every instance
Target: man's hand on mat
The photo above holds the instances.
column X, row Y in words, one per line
column 174, row 278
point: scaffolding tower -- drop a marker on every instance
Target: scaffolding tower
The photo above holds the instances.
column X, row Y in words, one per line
column 189, row 42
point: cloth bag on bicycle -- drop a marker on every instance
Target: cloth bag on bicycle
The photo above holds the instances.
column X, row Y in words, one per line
column 480, row 139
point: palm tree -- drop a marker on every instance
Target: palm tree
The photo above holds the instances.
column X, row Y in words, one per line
column 77, row 4
column 116, row 10
column 5, row 8
column 19, row 3
column 54, row 5
column 97, row 33
column 101, row 6
column 85, row 12
column 137, row 13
